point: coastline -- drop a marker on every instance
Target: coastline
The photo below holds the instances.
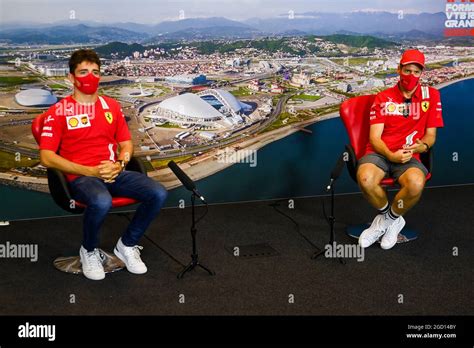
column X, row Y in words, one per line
column 39, row 185
column 450, row 82
column 197, row 168
column 207, row 164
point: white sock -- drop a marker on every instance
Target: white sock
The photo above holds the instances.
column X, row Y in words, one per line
column 392, row 215
column 384, row 210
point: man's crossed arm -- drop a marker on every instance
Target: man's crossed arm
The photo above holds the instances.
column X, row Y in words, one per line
column 106, row 170
column 401, row 155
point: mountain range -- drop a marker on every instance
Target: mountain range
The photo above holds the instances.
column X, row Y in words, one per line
column 392, row 26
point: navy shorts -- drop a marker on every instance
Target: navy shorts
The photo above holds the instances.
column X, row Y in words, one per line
column 392, row 169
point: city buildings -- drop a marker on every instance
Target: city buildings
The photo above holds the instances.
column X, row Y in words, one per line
column 191, row 79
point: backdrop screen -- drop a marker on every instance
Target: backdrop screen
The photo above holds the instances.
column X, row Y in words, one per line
column 244, row 98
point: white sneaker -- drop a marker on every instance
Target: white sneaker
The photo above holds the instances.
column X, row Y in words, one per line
column 92, row 264
column 372, row 234
column 131, row 257
column 391, row 236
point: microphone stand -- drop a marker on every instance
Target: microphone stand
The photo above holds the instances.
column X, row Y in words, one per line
column 332, row 235
column 194, row 256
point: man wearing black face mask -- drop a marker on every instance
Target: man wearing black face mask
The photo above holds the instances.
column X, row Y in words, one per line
column 403, row 123
column 86, row 137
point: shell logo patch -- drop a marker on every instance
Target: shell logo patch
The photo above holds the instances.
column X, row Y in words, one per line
column 73, row 122
column 78, row 121
column 109, row 117
column 390, row 108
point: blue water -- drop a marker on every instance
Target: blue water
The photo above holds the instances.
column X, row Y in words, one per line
column 299, row 165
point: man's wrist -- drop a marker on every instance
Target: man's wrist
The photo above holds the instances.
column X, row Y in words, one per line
column 423, row 147
column 122, row 164
column 92, row 171
column 390, row 155
column 427, row 147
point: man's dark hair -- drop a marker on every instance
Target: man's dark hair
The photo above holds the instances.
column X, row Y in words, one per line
column 82, row 55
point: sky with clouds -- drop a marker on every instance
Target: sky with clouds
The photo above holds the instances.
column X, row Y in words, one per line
column 155, row 11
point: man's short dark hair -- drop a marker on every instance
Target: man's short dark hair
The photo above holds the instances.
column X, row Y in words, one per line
column 82, row 55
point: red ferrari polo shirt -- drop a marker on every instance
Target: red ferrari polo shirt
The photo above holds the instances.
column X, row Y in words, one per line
column 405, row 121
column 84, row 134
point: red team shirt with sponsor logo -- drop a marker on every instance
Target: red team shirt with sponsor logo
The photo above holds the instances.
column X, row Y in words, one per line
column 84, row 134
column 402, row 127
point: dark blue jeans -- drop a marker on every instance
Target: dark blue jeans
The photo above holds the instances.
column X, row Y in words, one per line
column 97, row 195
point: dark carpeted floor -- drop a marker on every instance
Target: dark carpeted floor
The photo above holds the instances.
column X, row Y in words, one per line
column 425, row 273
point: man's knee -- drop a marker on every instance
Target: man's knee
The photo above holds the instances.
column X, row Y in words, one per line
column 368, row 178
column 414, row 183
column 101, row 202
column 159, row 193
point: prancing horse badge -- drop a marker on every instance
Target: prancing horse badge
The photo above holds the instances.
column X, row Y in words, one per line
column 109, row 117
column 425, row 106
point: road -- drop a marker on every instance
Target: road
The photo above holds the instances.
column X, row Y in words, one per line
column 16, row 123
column 273, row 116
column 14, row 149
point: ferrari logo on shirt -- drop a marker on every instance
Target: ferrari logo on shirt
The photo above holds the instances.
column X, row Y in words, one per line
column 425, row 106
column 78, row 121
column 109, row 117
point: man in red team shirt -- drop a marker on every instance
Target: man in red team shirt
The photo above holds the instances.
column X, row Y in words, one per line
column 403, row 123
column 80, row 137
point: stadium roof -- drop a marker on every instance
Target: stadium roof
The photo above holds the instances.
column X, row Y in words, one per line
column 35, row 97
column 233, row 102
column 229, row 98
column 190, row 105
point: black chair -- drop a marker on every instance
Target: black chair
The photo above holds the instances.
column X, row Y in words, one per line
column 60, row 192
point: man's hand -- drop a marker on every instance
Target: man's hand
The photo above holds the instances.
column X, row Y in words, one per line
column 419, row 147
column 109, row 170
column 401, row 156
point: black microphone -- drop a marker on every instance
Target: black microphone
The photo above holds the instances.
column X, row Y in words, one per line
column 336, row 171
column 185, row 180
